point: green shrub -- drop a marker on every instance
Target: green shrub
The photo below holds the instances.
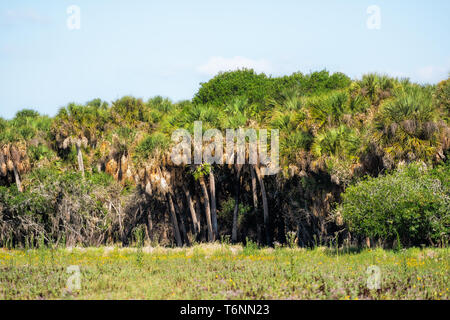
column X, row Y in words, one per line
column 412, row 202
column 224, row 87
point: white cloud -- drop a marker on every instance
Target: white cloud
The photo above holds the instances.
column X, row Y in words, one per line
column 217, row 64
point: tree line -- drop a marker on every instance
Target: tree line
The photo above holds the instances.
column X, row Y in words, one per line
column 97, row 172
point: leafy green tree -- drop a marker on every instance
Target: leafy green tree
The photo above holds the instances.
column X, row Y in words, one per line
column 411, row 204
column 224, row 87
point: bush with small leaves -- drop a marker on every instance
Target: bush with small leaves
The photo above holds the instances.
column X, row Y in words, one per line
column 412, row 204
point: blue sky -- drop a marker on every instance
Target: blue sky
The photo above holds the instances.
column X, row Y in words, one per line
column 147, row 48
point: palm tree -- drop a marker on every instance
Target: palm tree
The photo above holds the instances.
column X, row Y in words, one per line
column 190, row 203
column 210, row 118
column 115, row 155
column 335, row 142
column 152, row 154
column 370, row 86
column 238, row 112
column 14, row 159
column 13, row 143
column 199, row 174
column 69, row 130
column 407, row 126
column 327, row 110
column 265, row 205
column 129, row 110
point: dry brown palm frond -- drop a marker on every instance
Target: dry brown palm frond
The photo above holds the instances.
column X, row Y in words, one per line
column 3, row 169
column 129, row 175
column 318, row 165
column 124, row 163
column 15, row 155
column 410, row 126
column 105, row 149
column 303, row 160
column 388, row 161
column 66, row 143
column 430, row 128
column 348, row 120
column 10, row 165
column 111, row 167
column 20, row 167
column 293, row 170
column 148, row 188
column 82, row 142
column 392, row 129
column 141, row 175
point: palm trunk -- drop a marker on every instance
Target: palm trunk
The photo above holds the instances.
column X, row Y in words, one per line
column 176, row 230
column 255, row 203
column 236, row 203
column 182, row 224
column 119, row 172
column 195, row 222
column 80, row 159
column 265, row 206
column 150, row 225
column 367, row 242
column 198, row 211
column 211, row 237
column 212, row 188
column 17, row 177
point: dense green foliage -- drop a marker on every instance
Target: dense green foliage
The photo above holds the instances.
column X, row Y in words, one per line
column 226, row 86
column 333, row 131
column 411, row 205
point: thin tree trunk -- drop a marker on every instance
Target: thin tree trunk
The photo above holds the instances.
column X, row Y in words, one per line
column 237, row 192
column 255, row 203
column 182, row 224
column 147, row 234
column 80, row 159
column 212, row 188
column 265, row 206
column 119, row 172
column 367, row 242
column 211, row 237
column 17, row 177
column 195, row 222
column 254, row 189
column 198, row 211
column 150, row 225
column 176, row 230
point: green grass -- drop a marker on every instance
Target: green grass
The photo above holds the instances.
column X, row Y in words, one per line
column 223, row 272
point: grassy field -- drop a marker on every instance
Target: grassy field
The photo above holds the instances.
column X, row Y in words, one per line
column 223, row 272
